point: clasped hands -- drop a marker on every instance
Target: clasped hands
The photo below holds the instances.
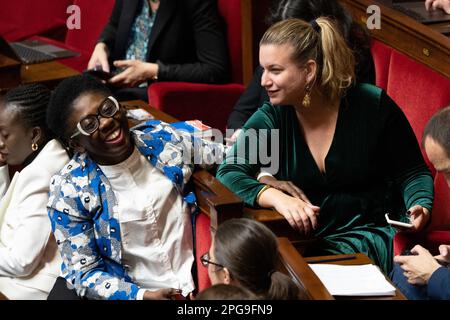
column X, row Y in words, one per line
column 419, row 267
column 292, row 203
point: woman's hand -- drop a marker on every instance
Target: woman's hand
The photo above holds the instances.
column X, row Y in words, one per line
column 286, row 186
column 419, row 217
column 161, row 294
column 301, row 216
column 135, row 73
column 99, row 57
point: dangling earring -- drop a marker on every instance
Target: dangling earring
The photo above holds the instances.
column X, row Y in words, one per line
column 306, row 102
column 34, row 146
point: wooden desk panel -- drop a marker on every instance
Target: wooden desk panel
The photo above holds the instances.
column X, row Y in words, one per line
column 48, row 73
column 298, row 269
column 360, row 259
column 405, row 34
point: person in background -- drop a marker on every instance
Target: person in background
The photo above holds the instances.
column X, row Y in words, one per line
column 119, row 209
column 355, row 36
column 349, row 147
column 244, row 253
column 164, row 40
column 223, row 291
column 29, row 258
column 421, row 276
column 438, row 4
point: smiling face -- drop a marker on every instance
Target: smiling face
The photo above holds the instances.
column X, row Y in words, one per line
column 15, row 137
column 283, row 79
column 111, row 143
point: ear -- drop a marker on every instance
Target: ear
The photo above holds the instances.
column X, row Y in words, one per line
column 36, row 135
column 75, row 145
column 311, row 69
column 226, row 276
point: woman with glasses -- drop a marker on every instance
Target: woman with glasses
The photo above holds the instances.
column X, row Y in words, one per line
column 29, row 258
column 119, row 209
column 244, row 253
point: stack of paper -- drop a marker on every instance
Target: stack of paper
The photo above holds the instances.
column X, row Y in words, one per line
column 354, row 280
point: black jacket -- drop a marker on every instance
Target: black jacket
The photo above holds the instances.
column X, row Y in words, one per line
column 187, row 40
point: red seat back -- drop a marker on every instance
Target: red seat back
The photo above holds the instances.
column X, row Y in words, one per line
column 418, row 90
column 94, row 17
column 230, row 10
column 381, row 57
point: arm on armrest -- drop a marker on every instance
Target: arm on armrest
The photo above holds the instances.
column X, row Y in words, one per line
column 214, row 199
column 293, row 264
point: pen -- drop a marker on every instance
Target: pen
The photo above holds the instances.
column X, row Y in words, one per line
column 332, row 259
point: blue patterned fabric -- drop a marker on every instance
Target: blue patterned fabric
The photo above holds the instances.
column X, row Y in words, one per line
column 83, row 209
column 140, row 33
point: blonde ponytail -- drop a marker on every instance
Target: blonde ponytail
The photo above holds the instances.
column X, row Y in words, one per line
column 338, row 62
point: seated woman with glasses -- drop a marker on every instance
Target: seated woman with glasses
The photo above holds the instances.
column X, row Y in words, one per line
column 119, row 211
column 29, row 257
column 244, row 253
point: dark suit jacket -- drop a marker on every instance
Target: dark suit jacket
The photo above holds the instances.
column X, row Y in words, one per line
column 187, row 40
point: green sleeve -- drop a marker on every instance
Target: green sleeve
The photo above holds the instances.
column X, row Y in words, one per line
column 404, row 157
column 242, row 163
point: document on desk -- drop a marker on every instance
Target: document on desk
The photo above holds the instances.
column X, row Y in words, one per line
column 354, row 280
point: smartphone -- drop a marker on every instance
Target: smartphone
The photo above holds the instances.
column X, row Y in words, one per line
column 99, row 73
column 397, row 223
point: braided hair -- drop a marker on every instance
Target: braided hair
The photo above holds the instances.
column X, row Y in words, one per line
column 31, row 102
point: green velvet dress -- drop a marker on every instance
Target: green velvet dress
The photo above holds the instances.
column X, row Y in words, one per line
column 374, row 166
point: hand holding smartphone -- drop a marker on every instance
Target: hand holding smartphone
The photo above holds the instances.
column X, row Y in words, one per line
column 99, row 73
column 397, row 223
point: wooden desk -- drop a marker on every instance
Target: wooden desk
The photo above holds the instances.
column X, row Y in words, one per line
column 48, row 73
column 297, row 267
column 405, row 34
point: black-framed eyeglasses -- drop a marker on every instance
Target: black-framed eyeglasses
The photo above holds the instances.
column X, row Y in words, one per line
column 89, row 124
column 205, row 261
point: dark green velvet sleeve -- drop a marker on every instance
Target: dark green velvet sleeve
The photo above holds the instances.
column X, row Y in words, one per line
column 242, row 163
column 404, row 157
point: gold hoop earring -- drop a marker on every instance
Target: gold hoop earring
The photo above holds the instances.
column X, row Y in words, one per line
column 34, row 146
column 306, row 102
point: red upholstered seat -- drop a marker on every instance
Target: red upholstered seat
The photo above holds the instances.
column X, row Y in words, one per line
column 20, row 19
column 420, row 92
column 381, row 57
column 94, row 17
column 210, row 103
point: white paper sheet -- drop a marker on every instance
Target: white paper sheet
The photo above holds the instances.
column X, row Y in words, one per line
column 358, row 280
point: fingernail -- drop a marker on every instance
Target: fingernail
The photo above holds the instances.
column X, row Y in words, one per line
column 408, row 213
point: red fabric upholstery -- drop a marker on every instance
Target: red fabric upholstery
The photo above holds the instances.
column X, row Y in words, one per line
column 420, row 92
column 210, row 103
column 417, row 89
column 381, row 56
column 230, row 12
column 94, row 17
column 21, row 19
column 203, row 242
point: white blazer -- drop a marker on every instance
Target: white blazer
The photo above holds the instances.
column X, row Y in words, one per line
column 29, row 257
